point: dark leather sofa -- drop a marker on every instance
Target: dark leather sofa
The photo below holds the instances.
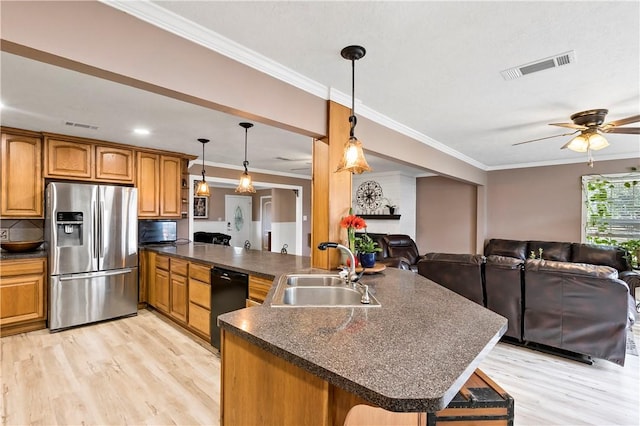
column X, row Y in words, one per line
column 574, row 299
column 211, row 238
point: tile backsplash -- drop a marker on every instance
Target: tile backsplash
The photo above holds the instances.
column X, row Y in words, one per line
column 24, row 229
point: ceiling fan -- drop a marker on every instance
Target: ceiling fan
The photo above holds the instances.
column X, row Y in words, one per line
column 591, row 126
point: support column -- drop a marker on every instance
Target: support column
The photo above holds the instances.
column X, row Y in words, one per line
column 331, row 191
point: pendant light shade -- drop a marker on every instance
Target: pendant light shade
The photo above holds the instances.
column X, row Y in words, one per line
column 246, row 184
column 353, row 157
column 202, row 189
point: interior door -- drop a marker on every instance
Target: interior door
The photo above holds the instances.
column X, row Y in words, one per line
column 266, row 223
column 238, row 215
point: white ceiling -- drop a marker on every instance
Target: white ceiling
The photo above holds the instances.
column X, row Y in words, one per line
column 431, row 66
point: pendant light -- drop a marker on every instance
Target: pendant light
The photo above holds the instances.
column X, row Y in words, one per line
column 353, row 157
column 245, row 185
column 202, row 190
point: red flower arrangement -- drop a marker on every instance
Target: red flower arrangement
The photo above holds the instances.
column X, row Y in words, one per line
column 351, row 223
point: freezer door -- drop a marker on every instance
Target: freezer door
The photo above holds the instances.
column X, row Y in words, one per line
column 118, row 225
column 69, row 227
column 84, row 298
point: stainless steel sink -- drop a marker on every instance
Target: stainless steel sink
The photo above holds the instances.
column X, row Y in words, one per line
column 298, row 280
column 315, row 290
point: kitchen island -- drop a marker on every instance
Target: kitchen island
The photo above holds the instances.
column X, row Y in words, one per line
column 311, row 365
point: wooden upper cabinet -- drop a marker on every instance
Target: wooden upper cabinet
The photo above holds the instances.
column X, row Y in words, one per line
column 22, row 184
column 69, row 160
column 83, row 159
column 158, row 182
column 170, row 189
column 114, row 164
column 148, row 184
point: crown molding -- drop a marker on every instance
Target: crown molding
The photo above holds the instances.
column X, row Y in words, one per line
column 176, row 24
column 583, row 159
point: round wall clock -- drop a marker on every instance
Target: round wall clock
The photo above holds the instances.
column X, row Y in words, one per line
column 369, row 195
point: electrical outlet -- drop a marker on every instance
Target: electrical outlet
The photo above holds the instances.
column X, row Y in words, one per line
column 4, row 234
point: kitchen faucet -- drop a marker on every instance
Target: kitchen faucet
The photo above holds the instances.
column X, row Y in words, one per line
column 352, row 276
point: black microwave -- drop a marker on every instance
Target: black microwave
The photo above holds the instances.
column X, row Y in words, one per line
column 157, row 231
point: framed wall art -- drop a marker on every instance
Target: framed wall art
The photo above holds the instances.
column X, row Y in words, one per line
column 200, row 207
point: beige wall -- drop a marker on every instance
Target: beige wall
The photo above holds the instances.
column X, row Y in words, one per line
column 542, row 203
column 445, row 215
column 284, row 205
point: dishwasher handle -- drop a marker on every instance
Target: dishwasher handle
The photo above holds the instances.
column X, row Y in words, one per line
column 228, row 275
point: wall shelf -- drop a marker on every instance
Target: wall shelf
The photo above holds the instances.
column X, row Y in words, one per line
column 380, row 216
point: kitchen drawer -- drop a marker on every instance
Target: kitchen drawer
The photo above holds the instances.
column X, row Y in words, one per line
column 200, row 272
column 200, row 293
column 22, row 267
column 199, row 319
column 179, row 266
column 162, row 262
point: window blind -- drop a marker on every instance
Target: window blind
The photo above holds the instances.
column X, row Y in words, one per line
column 612, row 208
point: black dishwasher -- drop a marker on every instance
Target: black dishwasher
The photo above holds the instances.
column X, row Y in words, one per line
column 229, row 292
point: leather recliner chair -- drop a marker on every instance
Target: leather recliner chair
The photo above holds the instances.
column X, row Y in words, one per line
column 401, row 251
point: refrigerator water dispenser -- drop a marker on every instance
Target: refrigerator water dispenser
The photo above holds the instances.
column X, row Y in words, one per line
column 69, row 225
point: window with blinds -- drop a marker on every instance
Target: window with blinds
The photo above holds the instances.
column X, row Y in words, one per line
column 611, row 208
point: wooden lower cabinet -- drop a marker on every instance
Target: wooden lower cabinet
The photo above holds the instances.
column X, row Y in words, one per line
column 258, row 289
column 200, row 299
column 161, row 299
column 22, row 295
column 180, row 289
column 255, row 383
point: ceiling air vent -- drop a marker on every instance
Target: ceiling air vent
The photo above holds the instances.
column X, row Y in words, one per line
column 81, row 125
column 555, row 61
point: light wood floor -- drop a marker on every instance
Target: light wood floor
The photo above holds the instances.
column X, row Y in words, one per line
column 143, row 370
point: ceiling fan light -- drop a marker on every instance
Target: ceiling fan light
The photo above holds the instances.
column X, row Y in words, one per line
column 596, row 141
column 202, row 190
column 353, row 158
column 246, row 185
column 578, row 144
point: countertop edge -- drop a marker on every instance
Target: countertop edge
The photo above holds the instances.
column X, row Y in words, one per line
column 382, row 401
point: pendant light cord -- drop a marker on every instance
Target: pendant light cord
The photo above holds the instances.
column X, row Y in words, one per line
column 352, row 118
column 245, row 163
column 203, row 161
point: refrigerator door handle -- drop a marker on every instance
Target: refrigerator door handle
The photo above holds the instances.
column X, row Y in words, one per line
column 95, row 274
column 100, row 236
column 95, row 226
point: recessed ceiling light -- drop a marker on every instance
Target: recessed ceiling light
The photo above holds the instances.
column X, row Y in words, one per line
column 140, row 131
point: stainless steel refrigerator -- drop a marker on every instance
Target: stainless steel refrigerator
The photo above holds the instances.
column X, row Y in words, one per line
column 91, row 233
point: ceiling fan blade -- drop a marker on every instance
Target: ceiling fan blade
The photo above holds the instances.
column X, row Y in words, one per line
column 548, row 137
column 569, row 126
column 623, row 121
column 627, row 130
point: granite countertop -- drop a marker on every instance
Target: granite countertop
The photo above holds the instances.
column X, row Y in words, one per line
column 411, row 354
column 255, row 262
column 6, row 255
